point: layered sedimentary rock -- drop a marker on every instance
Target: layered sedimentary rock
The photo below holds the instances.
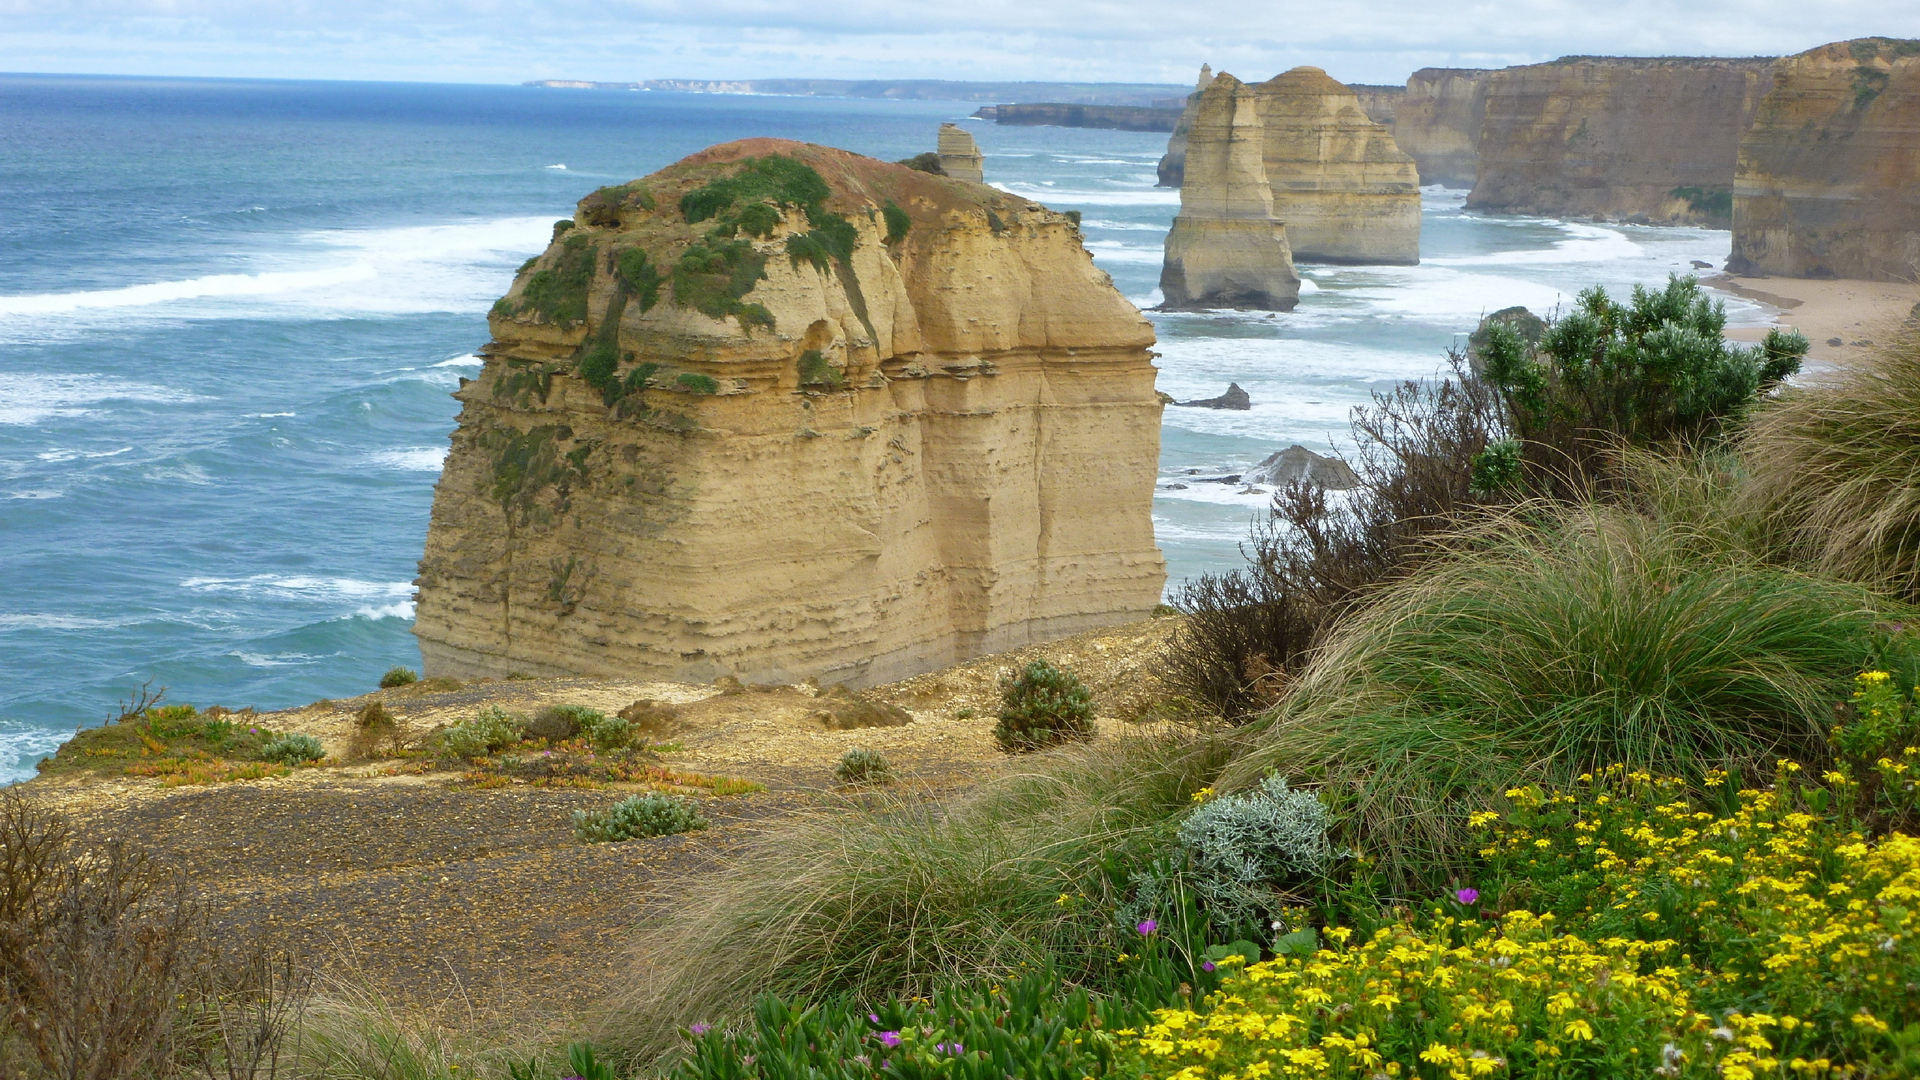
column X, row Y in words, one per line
column 1828, row 183
column 959, row 155
column 1346, row 192
column 1381, row 103
column 1617, row 137
column 780, row 411
column 1226, row 247
column 1437, row 123
column 1173, row 163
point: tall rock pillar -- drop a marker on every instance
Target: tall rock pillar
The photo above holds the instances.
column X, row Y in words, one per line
column 1226, row 248
column 1346, row 192
column 960, row 156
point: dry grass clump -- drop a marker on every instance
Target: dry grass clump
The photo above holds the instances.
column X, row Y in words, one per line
column 1553, row 643
column 904, row 893
column 1835, row 470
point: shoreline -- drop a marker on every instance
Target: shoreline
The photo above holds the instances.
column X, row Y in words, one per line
column 1856, row 313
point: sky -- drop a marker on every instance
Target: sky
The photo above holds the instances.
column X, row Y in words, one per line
column 503, row 41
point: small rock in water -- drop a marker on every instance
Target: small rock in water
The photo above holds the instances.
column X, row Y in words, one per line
column 1835, row 341
column 1234, row 398
column 1297, row 462
column 1698, row 265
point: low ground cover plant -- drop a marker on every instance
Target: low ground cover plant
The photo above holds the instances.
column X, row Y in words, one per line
column 181, row 745
column 636, row 817
column 398, row 676
column 1041, row 706
column 861, row 766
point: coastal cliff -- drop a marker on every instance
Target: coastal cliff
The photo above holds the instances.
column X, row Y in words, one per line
column 1111, row 117
column 1828, row 183
column 1617, row 137
column 780, row 411
column 1437, row 123
column 1226, row 247
column 1345, row 191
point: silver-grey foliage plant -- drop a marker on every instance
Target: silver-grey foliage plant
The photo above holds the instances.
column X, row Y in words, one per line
column 1242, row 848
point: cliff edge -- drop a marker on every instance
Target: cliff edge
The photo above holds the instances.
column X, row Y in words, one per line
column 780, row 411
column 1437, row 123
column 1828, row 183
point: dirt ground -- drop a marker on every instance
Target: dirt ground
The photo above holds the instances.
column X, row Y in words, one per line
column 462, row 902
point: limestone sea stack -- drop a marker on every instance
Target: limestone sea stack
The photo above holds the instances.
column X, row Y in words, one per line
column 1173, row 163
column 1346, row 192
column 960, row 156
column 1226, row 247
column 780, row 411
column 1828, row 183
column 1627, row 138
column 1437, row 123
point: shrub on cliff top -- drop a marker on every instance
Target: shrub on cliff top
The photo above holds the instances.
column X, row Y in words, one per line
column 492, row 728
column 1041, row 706
column 861, row 766
column 775, row 179
column 637, row 817
column 713, row 274
column 293, row 749
column 558, row 293
column 900, row 223
column 398, row 676
column 1655, row 370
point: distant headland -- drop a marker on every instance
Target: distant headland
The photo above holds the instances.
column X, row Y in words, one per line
column 1146, row 95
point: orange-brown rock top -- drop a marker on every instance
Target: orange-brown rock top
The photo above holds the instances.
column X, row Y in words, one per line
column 1617, row 137
column 780, row 411
column 1828, row 183
column 1346, row 192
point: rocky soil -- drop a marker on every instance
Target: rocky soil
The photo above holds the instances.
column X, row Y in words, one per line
column 477, row 905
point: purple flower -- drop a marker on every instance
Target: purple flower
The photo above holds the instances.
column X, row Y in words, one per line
column 1147, row 927
column 701, row 1029
column 952, row 1049
column 1208, row 966
column 890, row 1039
column 873, row 1018
column 1467, row 896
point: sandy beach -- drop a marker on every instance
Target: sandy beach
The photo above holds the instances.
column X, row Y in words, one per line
column 1841, row 318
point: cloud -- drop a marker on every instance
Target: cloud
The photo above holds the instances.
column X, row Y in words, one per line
column 1119, row 40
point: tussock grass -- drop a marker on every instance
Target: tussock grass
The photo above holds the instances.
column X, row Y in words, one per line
column 1551, row 643
column 1835, row 469
column 908, row 892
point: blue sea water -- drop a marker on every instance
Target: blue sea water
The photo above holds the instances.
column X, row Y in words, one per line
column 231, row 313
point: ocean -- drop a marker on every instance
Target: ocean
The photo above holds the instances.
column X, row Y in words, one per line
column 231, row 314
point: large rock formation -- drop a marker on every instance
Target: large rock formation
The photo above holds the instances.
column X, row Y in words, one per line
column 1437, row 123
column 1617, row 137
column 1226, row 248
column 781, row 411
column 960, row 156
column 1346, row 192
column 1173, row 163
column 1380, row 102
column 1828, row 183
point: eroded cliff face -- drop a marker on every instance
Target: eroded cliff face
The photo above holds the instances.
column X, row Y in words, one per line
column 1226, row 247
column 1437, row 123
column 1617, row 137
column 737, row 421
column 1345, row 191
column 1828, row 183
